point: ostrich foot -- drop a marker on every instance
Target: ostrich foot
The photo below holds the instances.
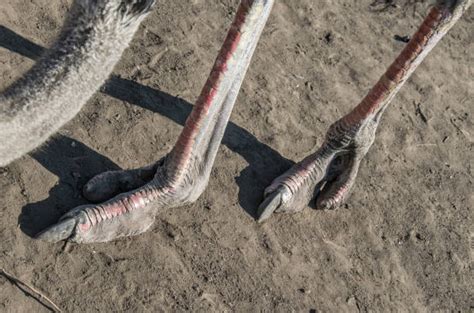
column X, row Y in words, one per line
column 327, row 175
column 137, row 195
column 183, row 174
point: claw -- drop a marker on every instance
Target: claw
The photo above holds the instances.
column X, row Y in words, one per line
column 109, row 184
column 269, row 205
column 338, row 190
column 63, row 230
column 102, row 223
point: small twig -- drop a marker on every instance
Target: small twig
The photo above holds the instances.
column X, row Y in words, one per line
column 462, row 131
column 419, row 112
column 36, row 292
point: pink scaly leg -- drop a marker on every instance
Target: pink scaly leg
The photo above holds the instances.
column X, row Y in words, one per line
column 181, row 176
column 331, row 171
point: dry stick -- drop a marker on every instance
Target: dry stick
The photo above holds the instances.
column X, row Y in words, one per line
column 38, row 293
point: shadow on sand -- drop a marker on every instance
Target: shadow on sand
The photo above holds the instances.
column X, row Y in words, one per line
column 62, row 159
column 74, row 164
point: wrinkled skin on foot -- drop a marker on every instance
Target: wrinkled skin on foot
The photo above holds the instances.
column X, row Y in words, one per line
column 108, row 184
column 134, row 199
column 327, row 175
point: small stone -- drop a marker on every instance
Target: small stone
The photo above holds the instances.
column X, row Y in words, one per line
column 404, row 39
column 328, row 37
column 304, row 291
column 352, row 301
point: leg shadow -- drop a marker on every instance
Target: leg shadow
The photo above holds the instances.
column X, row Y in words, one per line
column 18, row 44
column 74, row 163
column 264, row 162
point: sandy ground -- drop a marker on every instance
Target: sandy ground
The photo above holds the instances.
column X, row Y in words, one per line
column 402, row 243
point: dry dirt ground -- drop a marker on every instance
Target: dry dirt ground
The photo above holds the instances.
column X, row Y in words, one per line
column 402, row 243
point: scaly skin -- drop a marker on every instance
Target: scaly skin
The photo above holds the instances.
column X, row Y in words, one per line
column 330, row 172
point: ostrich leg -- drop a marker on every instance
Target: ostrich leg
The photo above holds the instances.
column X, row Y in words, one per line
column 52, row 92
column 182, row 175
column 330, row 172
